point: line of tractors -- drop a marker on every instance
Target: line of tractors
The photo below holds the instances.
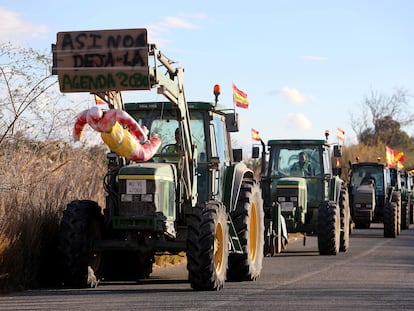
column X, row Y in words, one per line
column 201, row 198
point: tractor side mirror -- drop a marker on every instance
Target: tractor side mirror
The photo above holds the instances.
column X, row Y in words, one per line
column 255, row 152
column 337, row 150
column 337, row 171
column 237, row 155
column 232, row 122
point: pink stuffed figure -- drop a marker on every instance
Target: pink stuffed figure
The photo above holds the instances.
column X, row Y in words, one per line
column 130, row 142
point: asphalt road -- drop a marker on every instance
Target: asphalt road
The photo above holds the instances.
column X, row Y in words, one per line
column 376, row 273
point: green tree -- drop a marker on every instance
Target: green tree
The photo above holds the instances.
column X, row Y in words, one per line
column 382, row 118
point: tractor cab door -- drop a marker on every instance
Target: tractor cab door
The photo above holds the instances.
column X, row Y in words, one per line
column 220, row 155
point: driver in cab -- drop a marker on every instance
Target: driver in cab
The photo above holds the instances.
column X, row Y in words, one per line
column 173, row 148
column 301, row 167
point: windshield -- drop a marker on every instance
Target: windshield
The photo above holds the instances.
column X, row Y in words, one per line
column 367, row 174
column 165, row 125
column 295, row 161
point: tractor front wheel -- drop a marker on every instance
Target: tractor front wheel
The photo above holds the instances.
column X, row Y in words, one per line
column 81, row 225
column 390, row 220
column 329, row 228
column 208, row 247
column 248, row 220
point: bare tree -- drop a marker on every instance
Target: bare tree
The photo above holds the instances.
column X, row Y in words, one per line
column 29, row 98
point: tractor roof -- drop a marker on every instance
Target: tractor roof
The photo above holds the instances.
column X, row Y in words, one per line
column 206, row 106
column 367, row 164
column 296, row 142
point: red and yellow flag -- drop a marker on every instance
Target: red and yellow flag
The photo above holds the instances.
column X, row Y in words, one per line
column 389, row 156
column 399, row 156
column 255, row 135
column 393, row 158
column 240, row 98
column 341, row 135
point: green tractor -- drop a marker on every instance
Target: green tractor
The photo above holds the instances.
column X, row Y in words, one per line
column 197, row 197
column 375, row 196
column 303, row 193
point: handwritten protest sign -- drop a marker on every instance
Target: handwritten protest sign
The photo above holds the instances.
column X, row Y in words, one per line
column 103, row 60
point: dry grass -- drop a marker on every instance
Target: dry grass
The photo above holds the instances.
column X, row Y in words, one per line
column 168, row 260
column 36, row 183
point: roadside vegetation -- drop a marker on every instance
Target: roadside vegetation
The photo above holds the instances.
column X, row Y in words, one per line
column 37, row 180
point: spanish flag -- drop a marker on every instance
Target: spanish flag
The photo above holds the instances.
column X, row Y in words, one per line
column 341, row 135
column 393, row 158
column 389, row 156
column 240, row 98
column 255, row 135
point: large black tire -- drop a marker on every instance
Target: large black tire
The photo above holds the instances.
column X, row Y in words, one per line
column 390, row 220
column 411, row 204
column 405, row 216
column 345, row 214
column 329, row 228
column 248, row 220
column 208, row 247
column 81, row 225
column 396, row 197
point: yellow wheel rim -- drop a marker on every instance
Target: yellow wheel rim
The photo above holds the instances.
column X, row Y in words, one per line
column 253, row 233
column 218, row 247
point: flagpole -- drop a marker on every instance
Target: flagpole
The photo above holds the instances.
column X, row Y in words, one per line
column 234, row 101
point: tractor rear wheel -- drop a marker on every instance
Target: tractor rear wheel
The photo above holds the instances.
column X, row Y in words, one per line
column 396, row 197
column 329, row 228
column 345, row 219
column 248, row 220
column 208, row 247
column 81, row 225
column 405, row 215
column 390, row 220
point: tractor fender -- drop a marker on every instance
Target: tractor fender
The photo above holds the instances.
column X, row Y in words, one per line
column 336, row 186
column 234, row 178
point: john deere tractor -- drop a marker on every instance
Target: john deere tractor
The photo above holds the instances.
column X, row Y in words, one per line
column 304, row 193
column 197, row 198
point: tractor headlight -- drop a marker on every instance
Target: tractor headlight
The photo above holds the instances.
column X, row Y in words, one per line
column 294, row 199
column 281, row 199
column 357, row 205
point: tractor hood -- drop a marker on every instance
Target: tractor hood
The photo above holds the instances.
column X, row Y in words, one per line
column 290, row 186
column 147, row 188
column 149, row 170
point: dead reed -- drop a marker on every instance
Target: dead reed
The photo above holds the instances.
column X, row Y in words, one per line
column 37, row 180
